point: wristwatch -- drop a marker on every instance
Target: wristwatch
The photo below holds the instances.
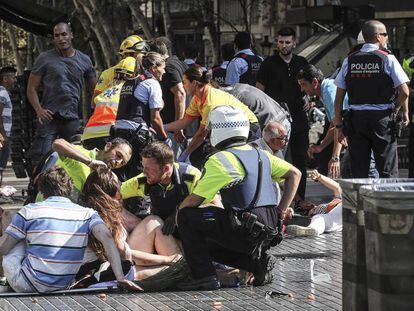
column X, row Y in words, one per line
column 335, row 158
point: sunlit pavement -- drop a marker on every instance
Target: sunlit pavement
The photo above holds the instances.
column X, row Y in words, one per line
column 308, row 276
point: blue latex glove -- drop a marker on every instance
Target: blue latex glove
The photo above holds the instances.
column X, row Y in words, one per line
column 183, row 156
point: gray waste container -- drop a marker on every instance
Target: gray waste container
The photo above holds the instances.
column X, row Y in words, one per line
column 389, row 241
column 354, row 289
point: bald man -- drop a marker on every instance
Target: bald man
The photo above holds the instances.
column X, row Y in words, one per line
column 377, row 90
column 60, row 72
column 274, row 139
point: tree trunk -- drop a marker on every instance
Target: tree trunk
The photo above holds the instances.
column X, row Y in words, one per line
column 13, row 43
column 245, row 8
column 29, row 51
column 280, row 12
column 210, row 30
column 106, row 25
column 165, row 11
column 96, row 51
column 96, row 26
column 139, row 16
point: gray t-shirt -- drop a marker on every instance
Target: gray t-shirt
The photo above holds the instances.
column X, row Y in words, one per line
column 263, row 106
column 62, row 81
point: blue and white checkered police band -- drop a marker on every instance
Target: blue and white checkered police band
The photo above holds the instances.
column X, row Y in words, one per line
column 222, row 125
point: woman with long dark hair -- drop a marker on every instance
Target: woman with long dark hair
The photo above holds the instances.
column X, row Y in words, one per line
column 146, row 246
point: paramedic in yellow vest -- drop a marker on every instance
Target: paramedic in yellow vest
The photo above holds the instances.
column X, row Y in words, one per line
column 96, row 132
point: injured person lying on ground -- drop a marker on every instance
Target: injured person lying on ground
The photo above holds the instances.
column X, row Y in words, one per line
column 317, row 219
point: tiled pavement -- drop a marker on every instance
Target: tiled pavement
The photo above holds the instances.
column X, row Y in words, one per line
column 295, row 258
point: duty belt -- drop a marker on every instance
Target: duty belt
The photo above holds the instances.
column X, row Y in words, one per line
column 261, row 235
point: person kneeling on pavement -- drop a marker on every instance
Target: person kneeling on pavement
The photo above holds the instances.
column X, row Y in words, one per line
column 326, row 217
column 166, row 182
column 45, row 243
column 78, row 162
column 240, row 234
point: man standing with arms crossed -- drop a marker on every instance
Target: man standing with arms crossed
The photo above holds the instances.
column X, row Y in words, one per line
column 371, row 77
column 60, row 73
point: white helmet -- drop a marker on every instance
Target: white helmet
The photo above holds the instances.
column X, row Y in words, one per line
column 227, row 122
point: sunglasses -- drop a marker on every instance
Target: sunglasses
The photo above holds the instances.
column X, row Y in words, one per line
column 384, row 34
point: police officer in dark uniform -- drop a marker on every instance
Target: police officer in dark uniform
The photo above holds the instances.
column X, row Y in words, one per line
column 240, row 233
column 139, row 109
column 245, row 65
column 219, row 72
column 377, row 89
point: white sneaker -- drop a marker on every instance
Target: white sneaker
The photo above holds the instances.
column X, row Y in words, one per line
column 301, row 231
column 4, row 286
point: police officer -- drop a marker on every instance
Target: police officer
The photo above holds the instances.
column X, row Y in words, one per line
column 167, row 183
column 139, row 109
column 219, row 72
column 245, row 65
column 240, row 233
column 372, row 77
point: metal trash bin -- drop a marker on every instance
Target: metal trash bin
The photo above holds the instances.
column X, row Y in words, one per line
column 389, row 240
column 354, row 288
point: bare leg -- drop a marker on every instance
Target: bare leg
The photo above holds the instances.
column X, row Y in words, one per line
column 145, row 272
column 149, row 247
column 129, row 220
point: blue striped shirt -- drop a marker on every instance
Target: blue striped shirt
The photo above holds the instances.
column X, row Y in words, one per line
column 56, row 231
column 7, row 110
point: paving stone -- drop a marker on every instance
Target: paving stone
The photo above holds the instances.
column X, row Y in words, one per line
column 292, row 275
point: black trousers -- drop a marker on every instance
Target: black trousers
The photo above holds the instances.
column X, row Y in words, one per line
column 298, row 148
column 47, row 132
column 210, row 234
column 325, row 156
column 411, row 142
column 371, row 129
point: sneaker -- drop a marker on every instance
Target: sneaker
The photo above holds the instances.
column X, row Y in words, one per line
column 4, row 285
column 301, row 231
column 264, row 274
column 205, row 283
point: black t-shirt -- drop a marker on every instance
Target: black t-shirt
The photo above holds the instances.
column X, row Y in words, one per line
column 174, row 70
column 279, row 80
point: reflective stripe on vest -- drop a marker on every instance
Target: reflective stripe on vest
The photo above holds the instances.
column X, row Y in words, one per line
column 104, row 115
column 231, row 170
column 240, row 193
